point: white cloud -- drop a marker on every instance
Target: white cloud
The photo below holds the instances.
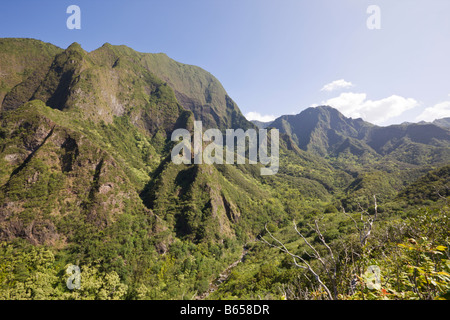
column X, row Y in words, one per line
column 259, row 117
column 438, row 111
column 337, row 85
column 356, row 105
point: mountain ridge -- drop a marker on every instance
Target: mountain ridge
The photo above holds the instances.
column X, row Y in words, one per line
column 75, row 77
column 325, row 131
column 86, row 175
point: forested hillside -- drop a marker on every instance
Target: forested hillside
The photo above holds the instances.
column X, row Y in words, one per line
column 86, row 179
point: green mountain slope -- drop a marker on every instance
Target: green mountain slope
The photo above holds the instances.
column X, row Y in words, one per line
column 323, row 130
column 260, row 124
column 86, row 176
column 435, row 185
column 116, row 80
column 326, row 132
column 444, row 122
column 53, row 176
column 23, row 60
column 82, row 151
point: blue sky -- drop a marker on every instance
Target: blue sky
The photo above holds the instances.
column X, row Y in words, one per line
column 276, row 57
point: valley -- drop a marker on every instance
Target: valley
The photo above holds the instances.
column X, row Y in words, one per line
column 87, row 179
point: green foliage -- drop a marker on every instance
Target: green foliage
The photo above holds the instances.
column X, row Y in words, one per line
column 86, row 179
column 34, row 273
column 433, row 186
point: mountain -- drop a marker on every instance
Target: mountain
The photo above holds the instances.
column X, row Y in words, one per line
column 115, row 81
column 83, row 132
column 86, row 175
column 444, row 122
column 260, row 124
column 51, row 172
column 21, row 60
column 85, row 165
column 322, row 130
column 433, row 185
column 326, row 132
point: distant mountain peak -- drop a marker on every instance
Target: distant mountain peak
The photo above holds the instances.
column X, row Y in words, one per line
column 324, row 130
column 443, row 123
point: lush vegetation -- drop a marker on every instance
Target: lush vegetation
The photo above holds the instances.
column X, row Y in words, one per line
column 411, row 252
column 86, row 180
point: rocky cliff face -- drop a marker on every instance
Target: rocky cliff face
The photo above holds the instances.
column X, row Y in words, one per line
column 151, row 89
column 53, row 175
column 82, row 134
column 86, row 175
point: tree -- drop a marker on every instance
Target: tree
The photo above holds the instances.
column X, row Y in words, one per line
column 330, row 269
column 328, row 264
column 367, row 220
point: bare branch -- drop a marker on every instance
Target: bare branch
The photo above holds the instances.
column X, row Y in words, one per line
column 283, row 248
column 316, row 254
column 356, row 223
column 321, row 237
column 439, row 194
column 375, row 206
column 366, row 230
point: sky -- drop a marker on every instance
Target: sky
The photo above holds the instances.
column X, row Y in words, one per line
column 276, row 57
